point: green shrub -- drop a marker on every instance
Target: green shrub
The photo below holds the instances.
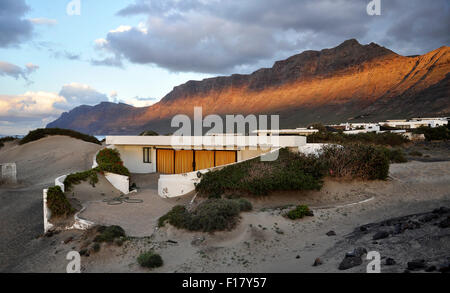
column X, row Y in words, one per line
column 299, row 213
column 77, row 178
column 437, row 133
column 96, row 247
column 109, row 160
column 385, row 139
column 244, row 205
column 41, row 133
column 149, row 133
column 211, row 215
column 291, row 171
column 6, row 139
column 214, row 215
column 394, row 155
column 108, row 234
column 57, row 202
column 356, row 161
column 150, row 259
column 177, row 217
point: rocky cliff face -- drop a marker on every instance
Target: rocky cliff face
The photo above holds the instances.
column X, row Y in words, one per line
column 351, row 81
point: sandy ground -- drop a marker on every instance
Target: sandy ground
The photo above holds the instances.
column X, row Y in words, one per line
column 265, row 241
column 38, row 164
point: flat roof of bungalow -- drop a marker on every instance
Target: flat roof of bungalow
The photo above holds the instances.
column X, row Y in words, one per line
column 208, row 141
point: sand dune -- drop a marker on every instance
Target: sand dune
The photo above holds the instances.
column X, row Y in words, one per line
column 38, row 164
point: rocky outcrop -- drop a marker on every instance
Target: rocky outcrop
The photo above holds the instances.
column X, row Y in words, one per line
column 350, row 82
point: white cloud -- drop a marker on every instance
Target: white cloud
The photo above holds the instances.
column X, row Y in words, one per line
column 140, row 102
column 31, row 110
column 30, row 105
column 12, row 70
column 77, row 94
column 44, row 21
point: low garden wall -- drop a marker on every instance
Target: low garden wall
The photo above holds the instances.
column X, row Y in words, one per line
column 120, row 182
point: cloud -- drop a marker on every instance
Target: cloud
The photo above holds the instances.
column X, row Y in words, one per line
column 8, row 69
column 224, row 36
column 29, row 106
column 44, row 21
column 31, row 110
column 140, row 102
column 14, row 29
column 76, row 94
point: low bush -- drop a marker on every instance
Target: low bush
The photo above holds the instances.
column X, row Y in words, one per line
column 416, row 154
column 57, row 202
column 178, row 216
column 291, row 171
column 150, row 259
column 215, row 215
column 385, row 139
column 244, row 205
column 109, row 234
column 6, row 139
column 394, row 155
column 109, row 160
column 437, row 133
column 77, row 178
column 299, row 213
column 211, row 215
column 44, row 132
column 149, row 133
column 356, row 161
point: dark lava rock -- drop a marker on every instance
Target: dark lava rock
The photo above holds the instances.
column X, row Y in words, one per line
column 428, row 218
column 430, row 269
column 445, row 223
column 317, row 262
column 416, row 265
column 84, row 252
column 380, row 235
column 390, row 262
column 331, row 233
column 441, row 211
column 68, row 240
column 297, row 257
column 363, row 229
column 445, row 268
column 350, row 262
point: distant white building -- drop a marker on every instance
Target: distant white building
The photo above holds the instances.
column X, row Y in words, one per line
column 355, row 128
column 416, row 123
column 286, row 132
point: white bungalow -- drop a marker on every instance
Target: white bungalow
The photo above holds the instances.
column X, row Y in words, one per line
column 179, row 159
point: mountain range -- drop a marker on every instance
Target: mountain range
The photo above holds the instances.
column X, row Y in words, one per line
column 351, row 82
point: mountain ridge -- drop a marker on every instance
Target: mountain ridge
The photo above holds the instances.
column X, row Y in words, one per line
column 331, row 85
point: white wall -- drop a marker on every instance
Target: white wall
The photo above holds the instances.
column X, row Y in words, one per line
column 47, row 213
column 120, row 182
column 132, row 157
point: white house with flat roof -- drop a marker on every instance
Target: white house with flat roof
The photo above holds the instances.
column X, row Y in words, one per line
column 184, row 154
column 180, row 159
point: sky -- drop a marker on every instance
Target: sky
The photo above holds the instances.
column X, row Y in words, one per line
column 58, row 54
